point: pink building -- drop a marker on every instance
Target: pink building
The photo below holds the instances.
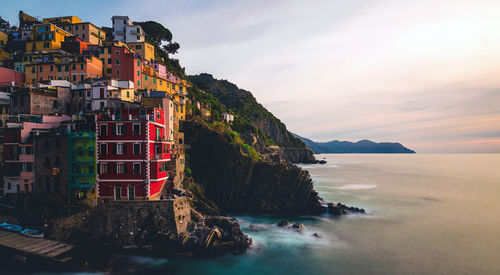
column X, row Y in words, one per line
column 160, row 69
column 8, row 76
column 18, row 153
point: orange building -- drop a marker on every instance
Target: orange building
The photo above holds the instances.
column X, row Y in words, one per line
column 75, row 69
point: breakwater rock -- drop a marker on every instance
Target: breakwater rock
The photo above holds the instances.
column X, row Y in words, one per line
column 155, row 225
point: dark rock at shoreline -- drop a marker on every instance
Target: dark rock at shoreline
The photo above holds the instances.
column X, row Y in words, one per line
column 237, row 183
column 298, row 226
column 321, row 161
column 284, row 224
column 316, row 235
column 342, row 209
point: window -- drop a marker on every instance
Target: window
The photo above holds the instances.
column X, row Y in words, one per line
column 121, row 149
column 117, row 71
column 83, row 27
column 41, row 68
column 104, row 168
column 137, row 149
column 58, row 68
column 108, row 71
column 137, row 168
column 73, row 67
column 46, row 161
column 138, row 63
column 81, row 66
column 74, row 77
column 54, row 104
column 104, row 129
column 120, row 129
column 109, row 61
column 81, row 77
column 158, row 115
column 138, row 37
column 58, row 143
column 66, row 68
column 117, row 61
column 58, row 160
column 117, row 52
column 121, row 168
column 109, row 50
column 51, row 68
column 83, row 36
column 104, row 149
column 138, row 82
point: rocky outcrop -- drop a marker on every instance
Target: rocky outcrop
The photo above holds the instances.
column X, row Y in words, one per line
column 239, row 184
column 342, row 209
column 288, row 154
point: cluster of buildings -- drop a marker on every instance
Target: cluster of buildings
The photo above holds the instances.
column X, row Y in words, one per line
column 88, row 113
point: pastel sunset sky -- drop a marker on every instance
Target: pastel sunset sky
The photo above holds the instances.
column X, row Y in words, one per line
column 423, row 73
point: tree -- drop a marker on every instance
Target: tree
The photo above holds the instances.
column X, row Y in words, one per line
column 155, row 31
column 171, row 47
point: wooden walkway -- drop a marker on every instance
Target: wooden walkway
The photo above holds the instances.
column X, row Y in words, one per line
column 41, row 247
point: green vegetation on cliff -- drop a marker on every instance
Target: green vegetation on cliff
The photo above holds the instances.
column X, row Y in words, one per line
column 251, row 118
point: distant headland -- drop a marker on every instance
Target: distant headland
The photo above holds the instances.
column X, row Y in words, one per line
column 360, row 147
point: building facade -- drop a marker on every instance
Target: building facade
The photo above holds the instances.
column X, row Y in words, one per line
column 125, row 31
column 132, row 154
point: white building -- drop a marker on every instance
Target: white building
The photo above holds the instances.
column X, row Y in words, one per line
column 227, row 117
column 125, row 31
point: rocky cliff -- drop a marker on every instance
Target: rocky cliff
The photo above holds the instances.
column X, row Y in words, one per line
column 239, row 184
column 256, row 125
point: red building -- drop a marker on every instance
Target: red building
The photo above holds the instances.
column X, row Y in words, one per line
column 119, row 62
column 132, row 154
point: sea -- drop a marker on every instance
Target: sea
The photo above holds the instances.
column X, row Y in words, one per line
column 426, row 214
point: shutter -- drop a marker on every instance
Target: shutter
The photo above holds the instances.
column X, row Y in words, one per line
column 124, row 129
column 125, row 168
column 114, row 148
column 113, row 129
column 124, row 148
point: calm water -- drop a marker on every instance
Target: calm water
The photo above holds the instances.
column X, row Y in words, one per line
column 428, row 214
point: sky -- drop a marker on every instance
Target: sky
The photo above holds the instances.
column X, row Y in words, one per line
column 423, row 73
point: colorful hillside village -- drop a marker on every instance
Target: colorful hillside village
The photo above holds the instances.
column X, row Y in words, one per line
column 88, row 113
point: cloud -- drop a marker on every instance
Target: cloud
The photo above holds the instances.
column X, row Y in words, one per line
column 423, row 73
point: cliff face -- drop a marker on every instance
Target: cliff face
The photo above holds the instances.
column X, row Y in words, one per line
column 258, row 127
column 236, row 183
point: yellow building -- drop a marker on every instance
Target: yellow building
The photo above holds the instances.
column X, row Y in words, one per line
column 86, row 31
column 3, row 38
column 146, row 50
column 46, row 37
column 122, row 94
column 62, row 19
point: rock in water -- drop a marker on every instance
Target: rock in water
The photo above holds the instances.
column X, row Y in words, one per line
column 298, row 226
column 316, row 235
column 284, row 224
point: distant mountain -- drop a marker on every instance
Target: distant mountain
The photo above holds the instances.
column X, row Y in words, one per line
column 360, row 147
